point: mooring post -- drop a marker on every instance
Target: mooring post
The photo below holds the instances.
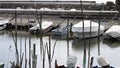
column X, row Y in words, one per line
column 34, row 56
column 56, row 64
column 91, row 62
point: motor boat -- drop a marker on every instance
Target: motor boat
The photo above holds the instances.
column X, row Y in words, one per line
column 91, row 29
column 45, row 26
column 60, row 30
column 3, row 23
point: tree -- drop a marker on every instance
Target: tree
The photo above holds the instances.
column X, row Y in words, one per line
column 118, row 5
column 110, row 5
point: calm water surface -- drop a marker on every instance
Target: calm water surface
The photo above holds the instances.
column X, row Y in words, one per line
column 108, row 49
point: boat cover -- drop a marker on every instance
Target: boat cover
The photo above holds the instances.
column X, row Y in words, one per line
column 79, row 26
column 113, row 31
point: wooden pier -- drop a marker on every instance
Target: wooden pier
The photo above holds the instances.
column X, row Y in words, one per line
column 86, row 14
column 47, row 4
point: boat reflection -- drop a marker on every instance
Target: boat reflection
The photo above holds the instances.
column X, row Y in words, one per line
column 111, row 43
column 19, row 33
column 78, row 44
column 2, row 32
column 62, row 37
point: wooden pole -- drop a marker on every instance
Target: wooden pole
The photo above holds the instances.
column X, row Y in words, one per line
column 84, row 57
column 21, row 55
column 89, row 46
column 21, row 42
column 29, row 47
column 68, row 35
column 91, row 62
column 42, row 50
column 25, row 54
column 17, row 53
column 56, row 64
column 99, row 35
column 49, row 54
column 34, row 61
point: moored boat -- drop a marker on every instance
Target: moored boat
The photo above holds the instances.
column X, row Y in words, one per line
column 60, row 31
column 3, row 23
column 45, row 27
column 113, row 33
column 103, row 63
column 90, row 27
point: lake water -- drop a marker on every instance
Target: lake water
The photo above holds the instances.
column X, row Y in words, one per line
column 108, row 49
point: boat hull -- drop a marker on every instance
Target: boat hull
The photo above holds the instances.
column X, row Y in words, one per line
column 45, row 27
column 87, row 34
column 2, row 26
column 88, row 30
column 113, row 32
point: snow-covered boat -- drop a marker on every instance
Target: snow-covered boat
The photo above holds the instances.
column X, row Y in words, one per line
column 113, row 32
column 45, row 26
column 95, row 31
column 3, row 23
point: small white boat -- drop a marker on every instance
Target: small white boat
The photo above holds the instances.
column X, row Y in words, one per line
column 103, row 63
column 3, row 23
column 113, row 32
column 45, row 27
column 78, row 29
column 45, row 9
column 72, row 9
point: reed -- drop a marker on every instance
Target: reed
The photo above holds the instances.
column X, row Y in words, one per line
column 50, row 52
column 53, row 50
column 25, row 54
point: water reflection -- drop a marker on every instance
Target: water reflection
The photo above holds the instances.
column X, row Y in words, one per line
column 2, row 32
column 76, row 48
column 62, row 37
column 111, row 43
column 78, row 44
column 19, row 33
